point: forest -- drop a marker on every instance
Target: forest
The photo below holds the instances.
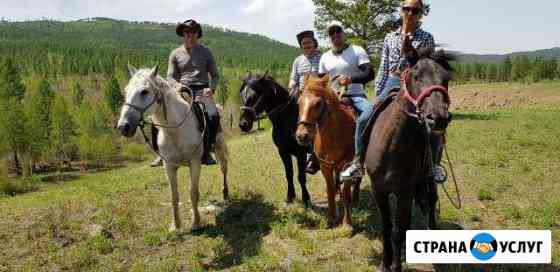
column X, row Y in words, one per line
column 61, row 83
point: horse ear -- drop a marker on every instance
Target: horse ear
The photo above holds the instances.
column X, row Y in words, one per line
column 248, row 74
column 325, row 79
column 131, row 70
column 154, row 71
column 306, row 77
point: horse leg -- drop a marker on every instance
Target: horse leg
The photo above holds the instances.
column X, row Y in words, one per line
column 301, row 162
column 347, row 204
column 328, row 174
column 384, row 207
column 222, row 156
column 171, row 172
column 433, row 199
column 356, row 193
column 402, row 224
column 288, row 167
column 195, row 177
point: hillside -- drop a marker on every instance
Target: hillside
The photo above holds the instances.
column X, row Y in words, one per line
column 99, row 44
column 552, row 53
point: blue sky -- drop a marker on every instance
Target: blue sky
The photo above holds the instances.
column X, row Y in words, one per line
column 474, row 26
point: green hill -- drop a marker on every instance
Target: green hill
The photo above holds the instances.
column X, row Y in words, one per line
column 100, row 44
column 551, row 53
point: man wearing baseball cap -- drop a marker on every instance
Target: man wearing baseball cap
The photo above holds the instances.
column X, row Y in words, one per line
column 350, row 65
column 191, row 64
column 306, row 63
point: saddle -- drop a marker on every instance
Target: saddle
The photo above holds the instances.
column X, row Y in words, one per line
column 380, row 106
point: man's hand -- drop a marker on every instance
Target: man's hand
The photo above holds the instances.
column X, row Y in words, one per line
column 207, row 92
column 344, row 80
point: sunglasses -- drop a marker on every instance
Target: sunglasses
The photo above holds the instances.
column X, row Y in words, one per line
column 411, row 10
column 335, row 31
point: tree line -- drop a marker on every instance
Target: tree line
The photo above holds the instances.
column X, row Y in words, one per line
column 516, row 69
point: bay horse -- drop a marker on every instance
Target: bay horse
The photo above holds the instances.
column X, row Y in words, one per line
column 179, row 140
column 262, row 94
column 330, row 125
column 398, row 156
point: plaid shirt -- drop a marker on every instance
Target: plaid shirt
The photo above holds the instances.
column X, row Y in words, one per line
column 303, row 65
column 392, row 58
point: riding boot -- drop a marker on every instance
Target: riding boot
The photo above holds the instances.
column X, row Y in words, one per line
column 313, row 164
column 207, row 158
column 355, row 170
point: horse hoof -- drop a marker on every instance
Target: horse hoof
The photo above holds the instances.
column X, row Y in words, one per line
column 174, row 228
column 196, row 227
column 383, row 268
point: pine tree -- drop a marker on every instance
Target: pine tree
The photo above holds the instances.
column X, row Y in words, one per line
column 62, row 133
column 12, row 90
column 77, row 93
column 222, row 94
column 38, row 106
column 505, row 69
column 113, row 95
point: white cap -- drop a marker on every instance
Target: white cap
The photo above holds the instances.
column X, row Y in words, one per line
column 334, row 24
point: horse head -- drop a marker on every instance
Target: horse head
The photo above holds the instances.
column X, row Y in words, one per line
column 253, row 95
column 313, row 107
column 425, row 85
column 141, row 96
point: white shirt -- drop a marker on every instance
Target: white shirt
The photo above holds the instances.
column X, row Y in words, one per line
column 347, row 63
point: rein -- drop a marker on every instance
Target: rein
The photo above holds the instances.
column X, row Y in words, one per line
column 418, row 115
column 278, row 109
column 142, row 123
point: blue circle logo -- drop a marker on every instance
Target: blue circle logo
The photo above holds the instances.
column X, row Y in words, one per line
column 484, row 246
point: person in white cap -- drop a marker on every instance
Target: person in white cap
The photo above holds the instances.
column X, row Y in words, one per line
column 350, row 66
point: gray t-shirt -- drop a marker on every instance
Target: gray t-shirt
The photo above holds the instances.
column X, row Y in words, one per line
column 346, row 63
column 193, row 68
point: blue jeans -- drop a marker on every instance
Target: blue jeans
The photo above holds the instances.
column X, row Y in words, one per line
column 364, row 109
column 392, row 83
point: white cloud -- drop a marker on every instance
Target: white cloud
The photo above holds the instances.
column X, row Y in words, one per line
column 254, row 7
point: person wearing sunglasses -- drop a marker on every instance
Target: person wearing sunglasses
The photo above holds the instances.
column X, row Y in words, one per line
column 350, row 67
column 394, row 62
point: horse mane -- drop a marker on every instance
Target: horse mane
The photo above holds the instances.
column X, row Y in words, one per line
column 315, row 85
column 266, row 78
column 440, row 56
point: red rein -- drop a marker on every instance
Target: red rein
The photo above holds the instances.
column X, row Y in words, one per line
column 426, row 92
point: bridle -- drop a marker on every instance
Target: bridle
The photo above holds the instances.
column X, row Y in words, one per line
column 253, row 110
column 417, row 101
column 319, row 120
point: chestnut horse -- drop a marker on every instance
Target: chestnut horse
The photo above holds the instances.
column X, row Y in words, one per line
column 330, row 124
column 399, row 156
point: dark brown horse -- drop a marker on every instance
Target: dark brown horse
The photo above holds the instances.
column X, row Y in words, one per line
column 328, row 123
column 399, row 155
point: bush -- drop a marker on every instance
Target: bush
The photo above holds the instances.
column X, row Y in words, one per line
column 97, row 149
column 135, row 151
column 16, row 187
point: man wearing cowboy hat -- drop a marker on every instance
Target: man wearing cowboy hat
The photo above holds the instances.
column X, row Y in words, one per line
column 191, row 64
column 350, row 65
column 306, row 63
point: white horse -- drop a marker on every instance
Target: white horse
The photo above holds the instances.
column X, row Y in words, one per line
column 179, row 140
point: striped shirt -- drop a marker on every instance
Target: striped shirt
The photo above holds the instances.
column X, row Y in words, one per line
column 392, row 58
column 303, row 65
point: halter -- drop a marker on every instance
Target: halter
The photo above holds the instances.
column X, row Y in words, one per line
column 317, row 122
column 252, row 110
column 426, row 92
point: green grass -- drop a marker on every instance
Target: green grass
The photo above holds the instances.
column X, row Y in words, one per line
column 506, row 161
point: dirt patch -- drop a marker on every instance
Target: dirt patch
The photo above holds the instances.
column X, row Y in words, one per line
column 504, row 95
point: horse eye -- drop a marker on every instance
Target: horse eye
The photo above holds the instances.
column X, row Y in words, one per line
column 144, row 92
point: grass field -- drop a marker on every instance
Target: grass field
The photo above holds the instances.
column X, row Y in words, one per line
column 505, row 153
